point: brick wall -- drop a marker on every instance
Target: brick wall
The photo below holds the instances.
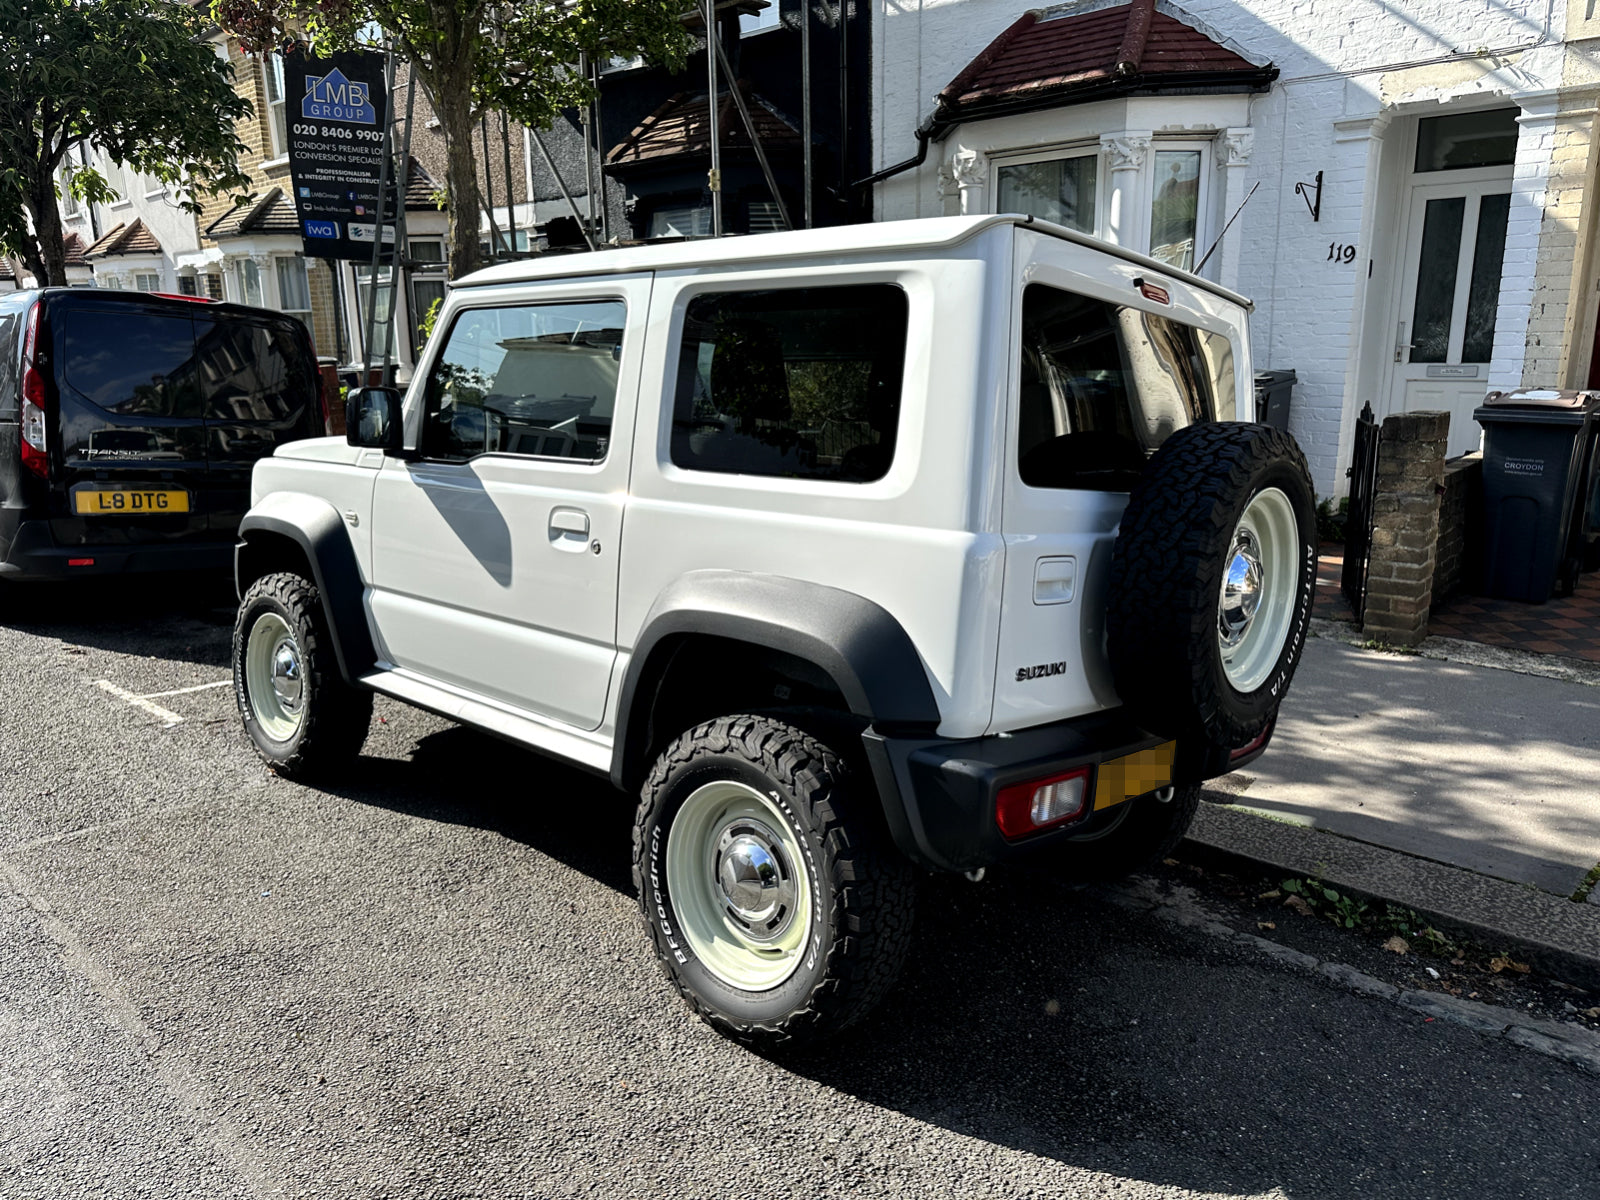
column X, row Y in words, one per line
column 1405, row 527
column 251, row 84
column 1458, row 532
column 324, row 330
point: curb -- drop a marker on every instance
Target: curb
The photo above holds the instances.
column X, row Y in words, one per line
column 1570, row 1044
column 1560, row 938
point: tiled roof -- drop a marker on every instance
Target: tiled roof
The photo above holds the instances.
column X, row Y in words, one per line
column 76, row 249
column 682, row 127
column 420, row 189
column 272, row 213
column 1126, row 48
column 131, row 237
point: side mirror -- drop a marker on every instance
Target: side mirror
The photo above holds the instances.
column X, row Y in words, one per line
column 372, row 418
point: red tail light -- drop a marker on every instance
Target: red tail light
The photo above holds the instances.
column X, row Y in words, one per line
column 1025, row 808
column 35, row 456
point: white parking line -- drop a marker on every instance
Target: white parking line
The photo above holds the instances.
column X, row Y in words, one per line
column 199, row 687
column 167, row 716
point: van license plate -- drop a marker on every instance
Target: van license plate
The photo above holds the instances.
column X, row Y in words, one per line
column 129, row 501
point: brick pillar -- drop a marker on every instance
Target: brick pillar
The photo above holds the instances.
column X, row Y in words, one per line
column 1405, row 527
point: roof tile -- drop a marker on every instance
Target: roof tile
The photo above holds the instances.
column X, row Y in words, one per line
column 131, row 237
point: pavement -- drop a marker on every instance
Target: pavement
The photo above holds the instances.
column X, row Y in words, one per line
column 1462, row 782
column 427, row 979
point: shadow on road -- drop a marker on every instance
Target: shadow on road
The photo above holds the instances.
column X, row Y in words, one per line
column 187, row 618
column 1044, row 1019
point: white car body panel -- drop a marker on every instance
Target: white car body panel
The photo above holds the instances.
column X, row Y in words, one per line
column 481, row 610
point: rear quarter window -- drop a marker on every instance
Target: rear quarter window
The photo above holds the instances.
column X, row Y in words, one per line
column 800, row 383
column 1103, row 385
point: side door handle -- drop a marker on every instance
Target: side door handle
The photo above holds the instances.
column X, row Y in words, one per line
column 569, row 529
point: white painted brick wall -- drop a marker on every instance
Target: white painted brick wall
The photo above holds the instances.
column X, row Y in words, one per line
column 1334, row 57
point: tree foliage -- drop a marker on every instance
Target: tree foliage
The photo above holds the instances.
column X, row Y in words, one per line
column 136, row 78
column 473, row 57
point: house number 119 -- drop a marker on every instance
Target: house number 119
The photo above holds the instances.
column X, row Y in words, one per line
column 1340, row 253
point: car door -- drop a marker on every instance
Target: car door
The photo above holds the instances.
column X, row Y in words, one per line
column 495, row 550
column 259, row 385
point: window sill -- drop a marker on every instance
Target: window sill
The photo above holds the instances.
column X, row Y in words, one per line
column 269, row 164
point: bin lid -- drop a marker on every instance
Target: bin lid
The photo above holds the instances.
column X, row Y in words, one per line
column 1557, row 399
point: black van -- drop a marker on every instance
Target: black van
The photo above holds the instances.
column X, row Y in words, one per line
column 129, row 423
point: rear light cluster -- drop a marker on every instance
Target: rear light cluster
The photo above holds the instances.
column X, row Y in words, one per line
column 1027, row 808
column 35, row 457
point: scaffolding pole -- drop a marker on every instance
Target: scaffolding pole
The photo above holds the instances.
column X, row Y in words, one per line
column 562, row 184
column 384, row 150
column 755, row 138
column 805, row 103
column 399, row 221
column 714, row 176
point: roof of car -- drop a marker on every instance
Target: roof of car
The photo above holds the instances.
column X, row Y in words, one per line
column 871, row 238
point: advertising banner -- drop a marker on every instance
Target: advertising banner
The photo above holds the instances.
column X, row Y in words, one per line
column 336, row 109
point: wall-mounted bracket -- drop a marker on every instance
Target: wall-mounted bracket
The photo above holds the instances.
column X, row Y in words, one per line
column 1305, row 189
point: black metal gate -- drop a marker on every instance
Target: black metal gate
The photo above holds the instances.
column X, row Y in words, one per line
column 1363, row 475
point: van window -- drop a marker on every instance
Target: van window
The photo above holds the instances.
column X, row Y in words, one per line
column 538, row 379
column 131, row 362
column 252, row 372
column 1102, row 386
column 800, row 383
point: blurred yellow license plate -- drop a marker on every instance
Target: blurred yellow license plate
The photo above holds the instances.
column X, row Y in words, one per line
column 129, row 501
column 1133, row 775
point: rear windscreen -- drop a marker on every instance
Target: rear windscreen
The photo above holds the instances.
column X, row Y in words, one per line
column 132, row 362
column 251, row 372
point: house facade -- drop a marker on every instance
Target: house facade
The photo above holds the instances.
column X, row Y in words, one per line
column 1408, row 188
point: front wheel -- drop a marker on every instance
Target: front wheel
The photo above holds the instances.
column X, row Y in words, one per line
column 774, row 909
column 299, row 713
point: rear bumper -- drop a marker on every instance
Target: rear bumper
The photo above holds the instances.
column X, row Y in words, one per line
column 31, row 555
column 939, row 795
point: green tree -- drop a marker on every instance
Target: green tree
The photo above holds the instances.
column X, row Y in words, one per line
column 136, row 78
column 473, row 57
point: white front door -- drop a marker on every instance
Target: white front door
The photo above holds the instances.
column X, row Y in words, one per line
column 495, row 551
column 1450, row 293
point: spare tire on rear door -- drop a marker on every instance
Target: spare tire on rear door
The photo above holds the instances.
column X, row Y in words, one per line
column 1212, row 579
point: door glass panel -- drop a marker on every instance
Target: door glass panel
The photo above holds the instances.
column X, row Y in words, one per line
column 132, row 363
column 1175, row 209
column 1475, row 139
column 1488, row 256
column 1061, row 190
column 534, row 379
column 1436, row 279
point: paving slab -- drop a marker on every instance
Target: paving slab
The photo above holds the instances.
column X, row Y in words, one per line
column 1490, row 770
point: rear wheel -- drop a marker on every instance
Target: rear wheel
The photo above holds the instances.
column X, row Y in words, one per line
column 299, row 713
column 773, row 906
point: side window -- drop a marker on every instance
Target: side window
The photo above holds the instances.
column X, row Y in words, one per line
column 131, row 362
column 251, row 372
column 537, row 379
column 800, row 383
column 1101, row 387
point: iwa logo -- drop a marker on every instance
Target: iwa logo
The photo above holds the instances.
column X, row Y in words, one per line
column 332, row 97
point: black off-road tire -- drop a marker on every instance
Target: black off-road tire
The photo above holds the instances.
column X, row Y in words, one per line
column 1129, row 838
column 863, row 890
column 1167, row 572
column 336, row 716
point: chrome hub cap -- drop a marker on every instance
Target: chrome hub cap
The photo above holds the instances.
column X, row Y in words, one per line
column 1241, row 589
column 757, row 885
column 1256, row 606
column 274, row 677
column 739, row 888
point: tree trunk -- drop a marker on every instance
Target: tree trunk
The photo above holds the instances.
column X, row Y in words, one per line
column 49, row 261
column 454, row 108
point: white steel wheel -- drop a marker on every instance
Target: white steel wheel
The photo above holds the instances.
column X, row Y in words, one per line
column 737, row 877
column 274, row 676
column 1260, row 590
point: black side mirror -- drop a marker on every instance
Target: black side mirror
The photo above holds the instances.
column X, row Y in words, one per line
column 372, row 419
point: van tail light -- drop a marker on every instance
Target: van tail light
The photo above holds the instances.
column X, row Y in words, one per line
column 1027, row 808
column 35, row 456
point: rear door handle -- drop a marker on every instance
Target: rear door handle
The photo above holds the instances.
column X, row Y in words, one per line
column 572, row 522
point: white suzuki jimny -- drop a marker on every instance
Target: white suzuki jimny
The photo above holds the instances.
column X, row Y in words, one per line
column 852, row 552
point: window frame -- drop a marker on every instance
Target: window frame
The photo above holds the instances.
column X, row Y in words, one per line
column 1078, row 148
column 303, row 315
column 441, row 344
column 1204, row 199
column 917, row 291
column 277, row 142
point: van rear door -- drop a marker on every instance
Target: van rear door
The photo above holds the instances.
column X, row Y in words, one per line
column 133, row 464
column 261, row 390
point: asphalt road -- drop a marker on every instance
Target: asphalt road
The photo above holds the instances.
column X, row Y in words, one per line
column 428, row 980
